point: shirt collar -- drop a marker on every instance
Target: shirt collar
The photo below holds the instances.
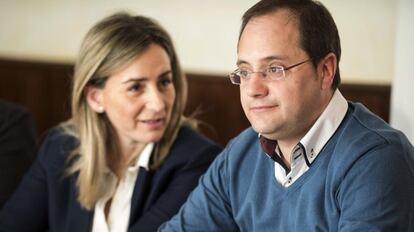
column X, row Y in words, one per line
column 325, row 126
column 142, row 161
column 144, row 158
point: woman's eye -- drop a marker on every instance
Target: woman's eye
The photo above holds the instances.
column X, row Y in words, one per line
column 134, row 87
column 165, row 82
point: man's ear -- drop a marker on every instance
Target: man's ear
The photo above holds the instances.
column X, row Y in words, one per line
column 94, row 98
column 327, row 69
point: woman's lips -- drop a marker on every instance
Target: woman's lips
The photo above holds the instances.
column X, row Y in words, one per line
column 153, row 122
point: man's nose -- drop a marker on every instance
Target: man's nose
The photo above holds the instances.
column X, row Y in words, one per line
column 256, row 86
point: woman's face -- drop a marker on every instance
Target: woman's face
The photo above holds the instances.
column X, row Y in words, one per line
column 138, row 100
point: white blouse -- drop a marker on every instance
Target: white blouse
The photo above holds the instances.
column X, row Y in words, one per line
column 118, row 216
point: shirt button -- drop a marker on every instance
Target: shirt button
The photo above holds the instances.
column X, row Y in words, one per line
column 290, row 180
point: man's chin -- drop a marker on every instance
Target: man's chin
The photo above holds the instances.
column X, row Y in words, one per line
column 263, row 131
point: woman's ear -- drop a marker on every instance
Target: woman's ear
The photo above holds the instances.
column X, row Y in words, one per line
column 327, row 69
column 94, row 98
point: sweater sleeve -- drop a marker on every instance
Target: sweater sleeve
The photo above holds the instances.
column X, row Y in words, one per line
column 208, row 207
column 377, row 192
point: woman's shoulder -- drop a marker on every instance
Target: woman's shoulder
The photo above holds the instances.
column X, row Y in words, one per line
column 190, row 144
column 60, row 137
column 188, row 137
column 57, row 145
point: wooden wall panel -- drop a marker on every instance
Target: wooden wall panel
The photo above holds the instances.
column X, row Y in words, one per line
column 376, row 97
column 216, row 103
column 44, row 89
column 41, row 87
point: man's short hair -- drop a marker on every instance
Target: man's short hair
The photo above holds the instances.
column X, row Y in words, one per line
column 318, row 32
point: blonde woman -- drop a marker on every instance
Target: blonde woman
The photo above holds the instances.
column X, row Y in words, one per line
column 128, row 158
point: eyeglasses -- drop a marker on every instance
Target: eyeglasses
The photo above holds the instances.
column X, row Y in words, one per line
column 273, row 72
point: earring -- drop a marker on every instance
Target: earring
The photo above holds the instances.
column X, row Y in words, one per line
column 101, row 109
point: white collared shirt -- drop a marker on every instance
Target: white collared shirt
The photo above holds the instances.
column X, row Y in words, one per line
column 118, row 216
column 309, row 147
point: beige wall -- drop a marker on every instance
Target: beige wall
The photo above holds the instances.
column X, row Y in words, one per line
column 205, row 32
column 402, row 107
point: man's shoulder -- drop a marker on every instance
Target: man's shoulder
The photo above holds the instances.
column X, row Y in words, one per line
column 363, row 133
column 367, row 127
column 9, row 108
column 244, row 148
column 245, row 139
column 11, row 115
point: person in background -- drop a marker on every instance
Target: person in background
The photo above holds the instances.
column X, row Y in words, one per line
column 18, row 146
column 311, row 161
column 127, row 158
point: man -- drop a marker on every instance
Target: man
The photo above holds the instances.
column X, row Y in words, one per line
column 334, row 166
column 17, row 146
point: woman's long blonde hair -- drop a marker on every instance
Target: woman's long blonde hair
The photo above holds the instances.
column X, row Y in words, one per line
column 108, row 47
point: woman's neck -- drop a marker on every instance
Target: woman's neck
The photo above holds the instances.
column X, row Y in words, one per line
column 124, row 156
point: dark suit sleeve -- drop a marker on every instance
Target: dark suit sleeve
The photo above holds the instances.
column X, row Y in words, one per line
column 17, row 147
column 27, row 208
column 180, row 184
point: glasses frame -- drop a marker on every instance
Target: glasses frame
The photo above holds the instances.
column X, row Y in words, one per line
column 236, row 73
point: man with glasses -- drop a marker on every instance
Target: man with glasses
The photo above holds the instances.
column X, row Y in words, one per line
column 311, row 161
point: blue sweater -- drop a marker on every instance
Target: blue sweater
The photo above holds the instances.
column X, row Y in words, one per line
column 363, row 180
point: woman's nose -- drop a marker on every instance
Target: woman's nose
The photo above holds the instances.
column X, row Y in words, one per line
column 155, row 101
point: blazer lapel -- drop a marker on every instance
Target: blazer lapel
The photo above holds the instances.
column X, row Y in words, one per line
column 141, row 188
column 79, row 219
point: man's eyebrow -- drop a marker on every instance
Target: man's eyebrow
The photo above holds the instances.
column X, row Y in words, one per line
column 239, row 62
column 267, row 58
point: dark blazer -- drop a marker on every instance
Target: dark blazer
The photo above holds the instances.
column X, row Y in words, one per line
column 17, row 146
column 46, row 199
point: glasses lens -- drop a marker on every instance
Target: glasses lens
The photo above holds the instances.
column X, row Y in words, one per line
column 235, row 78
column 275, row 73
